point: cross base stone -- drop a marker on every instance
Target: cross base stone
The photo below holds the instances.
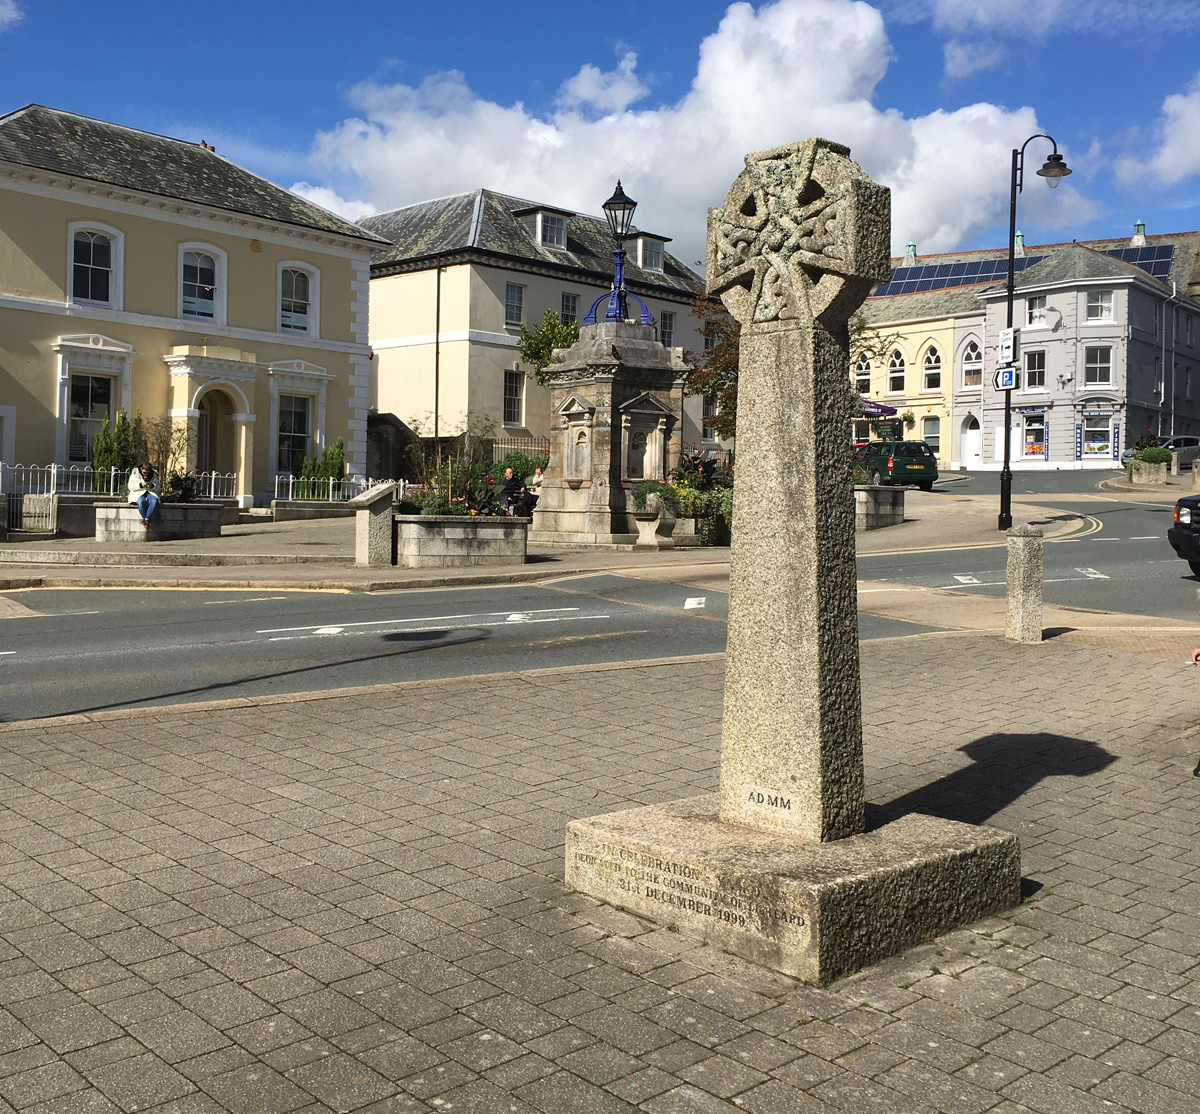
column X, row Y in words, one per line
column 814, row 911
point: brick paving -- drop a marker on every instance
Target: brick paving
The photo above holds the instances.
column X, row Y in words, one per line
column 353, row 902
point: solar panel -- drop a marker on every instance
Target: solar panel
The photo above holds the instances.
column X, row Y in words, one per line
column 1155, row 259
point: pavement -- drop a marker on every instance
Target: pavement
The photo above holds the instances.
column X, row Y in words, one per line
column 352, row 900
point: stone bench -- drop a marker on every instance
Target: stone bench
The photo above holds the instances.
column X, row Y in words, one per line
column 121, row 522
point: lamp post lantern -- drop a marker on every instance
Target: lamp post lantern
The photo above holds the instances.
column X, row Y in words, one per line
column 1053, row 170
column 618, row 211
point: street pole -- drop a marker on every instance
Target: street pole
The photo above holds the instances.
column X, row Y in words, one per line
column 1054, row 170
column 1005, row 519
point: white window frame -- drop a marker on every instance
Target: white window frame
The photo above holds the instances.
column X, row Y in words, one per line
column 894, row 368
column 520, row 303
column 519, row 378
column 542, row 218
column 310, row 439
column 296, row 377
column 1107, row 381
column 220, row 280
column 666, row 328
column 643, row 262
column 90, row 354
column 937, row 450
column 708, row 410
column 1103, row 304
column 1030, row 421
column 573, row 317
column 1025, row 383
column 1106, row 451
column 931, row 365
column 862, row 372
column 314, row 298
column 116, row 280
column 1035, row 311
column 976, row 365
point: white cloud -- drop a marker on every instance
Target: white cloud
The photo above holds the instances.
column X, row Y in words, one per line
column 606, row 92
column 759, row 82
column 1011, row 16
column 10, row 14
column 966, row 58
column 329, row 199
column 1178, row 154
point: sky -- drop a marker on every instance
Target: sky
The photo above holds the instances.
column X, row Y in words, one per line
column 368, row 105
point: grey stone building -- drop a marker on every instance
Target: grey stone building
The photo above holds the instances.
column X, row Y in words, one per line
column 1108, row 346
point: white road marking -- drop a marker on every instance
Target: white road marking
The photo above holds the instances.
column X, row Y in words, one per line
column 693, row 602
column 1145, row 538
column 440, row 626
column 967, row 579
column 428, row 619
column 1092, row 574
column 5, row 653
column 329, row 630
column 252, row 599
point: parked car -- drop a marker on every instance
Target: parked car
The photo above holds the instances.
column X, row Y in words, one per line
column 1184, row 533
column 1188, row 448
column 898, row 462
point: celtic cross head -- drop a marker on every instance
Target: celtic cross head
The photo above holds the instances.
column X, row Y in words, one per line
column 803, row 235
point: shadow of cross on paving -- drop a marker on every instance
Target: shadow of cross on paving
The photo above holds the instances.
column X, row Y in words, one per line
column 1004, row 767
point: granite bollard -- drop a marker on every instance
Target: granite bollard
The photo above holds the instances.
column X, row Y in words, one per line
column 1023, row 613
column 373, row 517
column 777, row 867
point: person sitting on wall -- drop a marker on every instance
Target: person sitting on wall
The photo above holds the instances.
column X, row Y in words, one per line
column 143, row 491
column 533, row 489
column 512, row 491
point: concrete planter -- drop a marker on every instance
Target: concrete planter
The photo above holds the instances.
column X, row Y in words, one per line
column 1145, row 473
column 121, row 522
column 655, row 529
column 451, row 540
column 877, row 507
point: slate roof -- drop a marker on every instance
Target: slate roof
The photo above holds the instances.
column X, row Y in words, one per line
column 1060, row 262
column 95, row 150
column 483, row 225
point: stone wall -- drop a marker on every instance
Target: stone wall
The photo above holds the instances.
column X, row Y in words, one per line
column 442, row 541
column 121, row 522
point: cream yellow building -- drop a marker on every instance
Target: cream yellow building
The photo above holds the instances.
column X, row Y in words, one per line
column 913, row 374
column 139, row 271
column 462, row 276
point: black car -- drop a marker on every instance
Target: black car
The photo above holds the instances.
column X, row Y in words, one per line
column 897, row 462
column 1184, row 536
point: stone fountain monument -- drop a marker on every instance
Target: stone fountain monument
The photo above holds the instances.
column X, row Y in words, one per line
column 778, row 867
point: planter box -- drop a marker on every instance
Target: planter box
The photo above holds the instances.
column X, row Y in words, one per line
column 877, row 507
column 453, row 541
column 1144, row 473
column 120, row 522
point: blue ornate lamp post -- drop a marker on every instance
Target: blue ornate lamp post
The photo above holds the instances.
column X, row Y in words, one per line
column 618, row 210
column 1054, row 170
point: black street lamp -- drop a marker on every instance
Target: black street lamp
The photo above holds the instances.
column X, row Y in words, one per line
column 1053, row 170
column 618, row 211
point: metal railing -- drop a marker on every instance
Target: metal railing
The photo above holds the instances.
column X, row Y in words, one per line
column 326, row 490
column 28, row 488
column 530, row 446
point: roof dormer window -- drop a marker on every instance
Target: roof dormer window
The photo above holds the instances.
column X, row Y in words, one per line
column 650, row 253
column 552, row 230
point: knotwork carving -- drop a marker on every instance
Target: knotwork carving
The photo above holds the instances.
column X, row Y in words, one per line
column 803, row 234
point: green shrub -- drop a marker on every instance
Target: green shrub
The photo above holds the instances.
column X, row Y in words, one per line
column 180, row 486
column 1153, row 454
column 521, row 463
column 642, row 492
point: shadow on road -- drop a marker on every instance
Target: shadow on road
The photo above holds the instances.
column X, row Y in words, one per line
column 415, row 641
column 1003, row 768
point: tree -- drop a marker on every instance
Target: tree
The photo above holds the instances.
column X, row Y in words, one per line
column 865, row 341
column 714, row 372
column 536, row 348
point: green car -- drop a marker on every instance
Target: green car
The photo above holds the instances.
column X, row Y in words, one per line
column 897, row 462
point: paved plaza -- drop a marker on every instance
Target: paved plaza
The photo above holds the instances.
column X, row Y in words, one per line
column 353, row 901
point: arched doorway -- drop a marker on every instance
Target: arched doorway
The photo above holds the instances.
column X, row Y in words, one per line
column 972, row 443
column 216, row 436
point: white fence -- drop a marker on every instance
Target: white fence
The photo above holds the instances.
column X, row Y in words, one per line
column 27, row 488
column 328, row 490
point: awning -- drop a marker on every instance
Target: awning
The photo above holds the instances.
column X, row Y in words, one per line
column 876, row 409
